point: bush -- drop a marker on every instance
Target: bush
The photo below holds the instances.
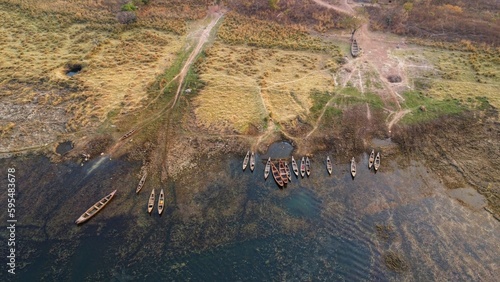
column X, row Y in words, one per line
column 126, row 17
column 129, row 7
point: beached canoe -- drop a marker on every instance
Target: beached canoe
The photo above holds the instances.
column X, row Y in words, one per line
column 245, row 161
column 371, row 159
column 268, row 168
column 252, row 161
column 283, row 174
column 303, row 167
column 377, row 161
column 308, row 166
column 151, row 202
column 353, row 167
column 277, row 175
column 161, row 202
column 141, row 182
column 355, row 50
column 295, row 167
column 329, row 165
column 95, row 208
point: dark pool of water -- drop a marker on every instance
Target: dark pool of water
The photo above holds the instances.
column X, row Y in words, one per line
column 226, row 224
column 64, row 147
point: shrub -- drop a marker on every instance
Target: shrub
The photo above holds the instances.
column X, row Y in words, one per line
column 126, row 17
column 129, row 7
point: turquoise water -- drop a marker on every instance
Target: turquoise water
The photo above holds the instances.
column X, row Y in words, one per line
column 227, row 225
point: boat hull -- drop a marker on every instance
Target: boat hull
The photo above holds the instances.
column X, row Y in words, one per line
column 98, row 206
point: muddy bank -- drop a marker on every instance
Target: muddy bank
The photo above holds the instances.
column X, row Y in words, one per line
column 464, row 150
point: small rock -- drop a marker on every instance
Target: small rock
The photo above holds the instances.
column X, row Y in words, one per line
column 423, row 108
column 394, row 78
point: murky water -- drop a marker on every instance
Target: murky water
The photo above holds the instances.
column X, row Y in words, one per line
column 225, row 224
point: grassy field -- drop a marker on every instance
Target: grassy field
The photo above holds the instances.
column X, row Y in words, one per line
column 119, row 64
column 246, row 86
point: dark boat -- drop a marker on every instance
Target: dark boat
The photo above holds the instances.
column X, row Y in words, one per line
column 151, row 201
column 377, row 161
column 245, row 161
column 277, row 175
column 308, row 166
column 283, row 173
column 353, row 167
column 329, row 165
column 141, row 182
column 303, row 167
column 354, row 48
column 95, row 208
column 268, row 168
column 161, row 202
column 252, row 161
column 371, row 159
column 295, row 167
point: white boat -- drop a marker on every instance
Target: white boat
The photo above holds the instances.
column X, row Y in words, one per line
column 302, row 167
column 268, row 168
column 371, row 159
column 245, row 161
column 295, row 167
column 329, row 165
column 377, row 161
column 252, row 161
column 161, row 202
column 353, row 167
column 95, row 208
column 151, row 201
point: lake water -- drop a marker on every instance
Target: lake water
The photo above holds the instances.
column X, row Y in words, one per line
column 225, row 224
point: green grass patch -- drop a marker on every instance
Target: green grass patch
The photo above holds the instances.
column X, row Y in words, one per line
column 425, row 108
column 319, row 101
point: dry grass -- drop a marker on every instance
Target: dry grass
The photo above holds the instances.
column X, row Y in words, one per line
column 119, row 65
column 245, row 86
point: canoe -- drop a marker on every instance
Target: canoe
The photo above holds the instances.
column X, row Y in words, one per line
column 353, row 167
column 268, row 168
column 295, row 167
column 329, row 165
column 284, row 176
column 288, row 173
column 161, row 202
column 377, row 161
column 245, row 161
column 354, row 48
column 151, row 201
column 141, row 182
column 302, row 167
column 308, row 166
column 95, row 208
column 277, row 175
column 371, row 159
column 252, row 161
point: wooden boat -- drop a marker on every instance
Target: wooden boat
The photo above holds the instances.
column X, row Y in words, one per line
column 127, row 135
column 283, row 173
column 268, row 168
column 295, row 167
column 377, row 161
column 141, row 182
column 245, row 161
column 288, row 173
column 329, row 165
column 308, row 166
column 354, row 48
column 371, row 159
column 95, row 208
column 252, row 161
column 353, row 167
column 151, row 202
column 277, row 175
column 161, row 202
column 302, row 167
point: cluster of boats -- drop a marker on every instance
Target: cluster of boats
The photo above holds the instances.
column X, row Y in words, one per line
column 152, row 199
column 281, row 171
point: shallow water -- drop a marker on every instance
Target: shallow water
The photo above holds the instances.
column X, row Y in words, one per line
column 227, row 224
